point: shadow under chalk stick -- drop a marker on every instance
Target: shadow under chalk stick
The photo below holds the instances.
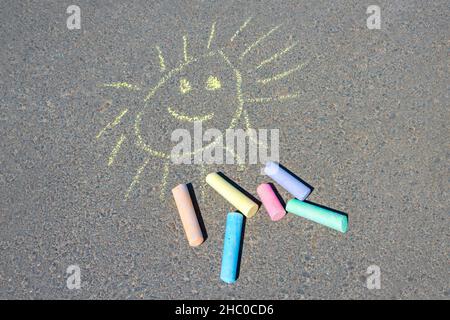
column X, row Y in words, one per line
column 245, row 192
column 277, row 193
column 197, row 211
column 327, row 208
column 296, row 177
column 241, row 247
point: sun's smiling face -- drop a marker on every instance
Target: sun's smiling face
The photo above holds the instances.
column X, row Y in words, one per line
column 206, row 89
column 200, row 87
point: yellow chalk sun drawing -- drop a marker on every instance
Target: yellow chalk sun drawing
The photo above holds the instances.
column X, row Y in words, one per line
column 206, row 87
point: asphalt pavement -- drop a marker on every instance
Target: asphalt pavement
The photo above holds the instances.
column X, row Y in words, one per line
column 87, row 115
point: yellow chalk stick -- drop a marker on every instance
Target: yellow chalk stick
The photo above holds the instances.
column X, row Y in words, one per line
column 243, row 203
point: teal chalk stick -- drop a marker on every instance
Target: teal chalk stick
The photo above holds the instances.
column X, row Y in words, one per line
column 326, row 217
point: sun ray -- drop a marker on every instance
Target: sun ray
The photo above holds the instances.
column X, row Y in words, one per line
column 270, row 99
column 276, row 55
column 224, row 56
column 185, row 44
column 115, row 150
column 185, row 118
column 211, row 35
column 254, row 44
column 241, row 28
column 121, row 85
column 162, row 64
column 162, row 192
column 112, row 124
column 283, row 74
column 137, row 177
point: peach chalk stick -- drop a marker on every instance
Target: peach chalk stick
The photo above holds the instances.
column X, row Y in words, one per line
column 187, row 214
column 270, row 201
column 234, row 196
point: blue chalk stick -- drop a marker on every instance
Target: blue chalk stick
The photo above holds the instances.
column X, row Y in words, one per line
column 287, row 181
column 231, row 247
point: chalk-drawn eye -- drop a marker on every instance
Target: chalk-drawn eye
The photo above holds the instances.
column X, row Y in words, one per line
column 213, row 83
column 185, row 86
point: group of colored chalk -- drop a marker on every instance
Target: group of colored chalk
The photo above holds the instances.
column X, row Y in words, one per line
column 247, row 207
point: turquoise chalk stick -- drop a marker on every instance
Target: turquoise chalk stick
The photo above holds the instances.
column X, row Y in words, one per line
column 231, row 247
column 326, row 217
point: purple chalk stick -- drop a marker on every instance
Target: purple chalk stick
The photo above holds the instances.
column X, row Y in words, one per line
column 294, row 186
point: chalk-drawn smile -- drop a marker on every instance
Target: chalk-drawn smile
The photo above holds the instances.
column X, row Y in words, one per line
column 187, row 118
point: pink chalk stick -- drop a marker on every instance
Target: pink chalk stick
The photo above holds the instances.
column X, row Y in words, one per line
column 270, row 202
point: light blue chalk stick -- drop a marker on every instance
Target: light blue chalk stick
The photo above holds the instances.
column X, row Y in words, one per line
column 231, row 247
column 326, row 217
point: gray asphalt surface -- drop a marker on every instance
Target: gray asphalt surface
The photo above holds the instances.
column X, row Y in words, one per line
column 369, row 131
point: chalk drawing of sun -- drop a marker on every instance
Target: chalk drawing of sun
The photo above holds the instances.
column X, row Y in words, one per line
column 205, row 87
